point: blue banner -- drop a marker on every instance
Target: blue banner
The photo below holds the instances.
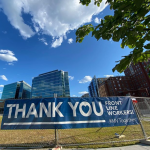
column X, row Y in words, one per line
column 66, row 113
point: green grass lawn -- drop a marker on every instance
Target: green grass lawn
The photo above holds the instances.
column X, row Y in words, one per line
column 0, row 119
column 73, row 136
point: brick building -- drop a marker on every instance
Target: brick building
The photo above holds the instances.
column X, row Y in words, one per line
column 119, row 86
column 85, row 95
column 136, row 82
column 115, row 86
column 139, row 76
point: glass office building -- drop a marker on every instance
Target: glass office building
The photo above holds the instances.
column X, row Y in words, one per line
column 17, row 90
column 50, row 83
column 93, row 88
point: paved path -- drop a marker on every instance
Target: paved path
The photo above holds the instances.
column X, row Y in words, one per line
column 132, row 147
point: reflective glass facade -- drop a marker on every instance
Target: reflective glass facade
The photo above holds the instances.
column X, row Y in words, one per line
column 46, row 84
column 24, row 90
column 17, row 90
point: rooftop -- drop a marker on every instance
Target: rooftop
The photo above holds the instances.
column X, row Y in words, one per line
column 19, row 82
column 48, row 72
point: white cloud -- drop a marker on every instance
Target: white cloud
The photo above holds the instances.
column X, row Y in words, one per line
column 5, row 32
column 11, row 64
column 0, row 92
column 3, row 77
column 57, row 42
column 85, row 79
column 96, row 20
column 74, row 96
column 111, row 41
column 50, row 17
column 70, row 40
column 43, row 40
column 1, row 85
column 107, row 76
column 13, row 10
column 84, row 92
column 7, row 55
column 71, row 77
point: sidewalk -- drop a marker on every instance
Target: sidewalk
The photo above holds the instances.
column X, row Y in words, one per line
column 132, row 147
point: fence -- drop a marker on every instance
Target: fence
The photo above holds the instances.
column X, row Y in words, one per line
column 143, row 108
column 93, row 137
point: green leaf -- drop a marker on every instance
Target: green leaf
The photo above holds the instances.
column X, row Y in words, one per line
column 142, row 12
column 85, row 2
column 116, row 36
column 108, row 17
column 124, row 63
column 147, row 46
column 130, row 23
column 138, row 3
column 131, row 46
column 123, row 44
column 139, row 28
column 147, row 20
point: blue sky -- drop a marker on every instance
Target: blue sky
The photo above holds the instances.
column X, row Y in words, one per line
column 37, row 37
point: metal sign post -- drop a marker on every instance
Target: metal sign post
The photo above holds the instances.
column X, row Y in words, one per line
column 56, row 130
column 137, row 112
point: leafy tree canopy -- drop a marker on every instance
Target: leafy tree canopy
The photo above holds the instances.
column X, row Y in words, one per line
column 130, row 24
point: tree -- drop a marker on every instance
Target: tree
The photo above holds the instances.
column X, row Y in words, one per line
column 130, row 24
